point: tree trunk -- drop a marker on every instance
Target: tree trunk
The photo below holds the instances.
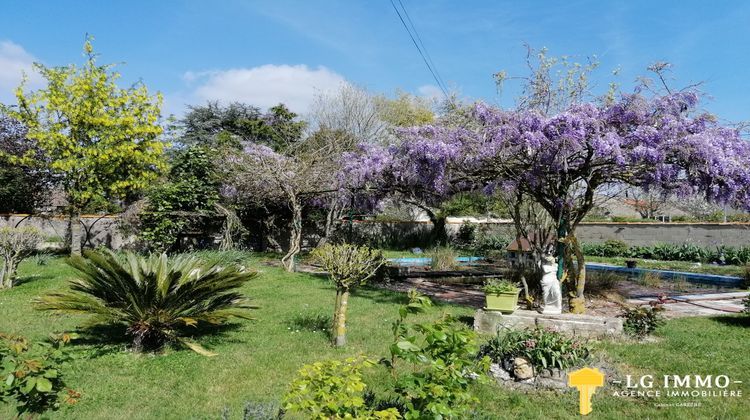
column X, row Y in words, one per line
column 336, row 309
column 339, row 334
column 75, row 233
column 331, row 216
column 6, row 274
column 578, row 303
column 438, row 235
column 295, row 238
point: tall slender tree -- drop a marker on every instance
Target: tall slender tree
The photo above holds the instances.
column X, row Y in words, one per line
column 101, row 141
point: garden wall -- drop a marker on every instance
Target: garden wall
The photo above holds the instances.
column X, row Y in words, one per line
column 703, row 234
column 97, row 230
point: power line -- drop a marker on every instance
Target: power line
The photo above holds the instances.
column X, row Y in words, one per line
column 421, row 53
column 441, row 83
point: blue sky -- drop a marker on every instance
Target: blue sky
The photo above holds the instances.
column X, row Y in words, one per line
column 263, row 52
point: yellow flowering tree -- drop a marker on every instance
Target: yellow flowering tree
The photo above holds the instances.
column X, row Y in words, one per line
column 99, row 140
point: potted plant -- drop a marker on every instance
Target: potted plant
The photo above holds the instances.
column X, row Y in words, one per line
column 501, row 295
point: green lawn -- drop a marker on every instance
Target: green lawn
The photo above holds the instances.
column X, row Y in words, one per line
column 724, row 270
column 258, row 359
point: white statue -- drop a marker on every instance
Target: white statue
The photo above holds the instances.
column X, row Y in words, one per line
column 551, row 292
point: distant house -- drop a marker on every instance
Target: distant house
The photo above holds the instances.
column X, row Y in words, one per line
column 518, row 252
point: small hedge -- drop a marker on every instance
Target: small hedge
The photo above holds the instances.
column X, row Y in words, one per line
column 670, row 252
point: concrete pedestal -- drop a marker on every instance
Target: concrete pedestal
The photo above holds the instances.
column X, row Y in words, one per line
column 580, row 325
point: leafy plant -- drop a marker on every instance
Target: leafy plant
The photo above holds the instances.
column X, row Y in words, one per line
column 443, row 357
column 333, row 390
column 466, row 235
column 155, row 298
column 641, row 321
column 543, row 348
column 499, row 286
column 348, row 266
column 31, row 374
column 257, row 411
column 15, row 245
column 443, row 258
column 185, row 202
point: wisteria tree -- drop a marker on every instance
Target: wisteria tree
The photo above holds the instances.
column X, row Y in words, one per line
column 293, row 178
column 564, row 160
column 423, row 169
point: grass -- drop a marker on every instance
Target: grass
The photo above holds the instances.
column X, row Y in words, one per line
column 725, row 270
column 258, row 359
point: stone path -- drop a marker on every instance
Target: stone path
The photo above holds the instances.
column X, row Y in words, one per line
column 697, row 304
column 468, row 295
column 705, row 304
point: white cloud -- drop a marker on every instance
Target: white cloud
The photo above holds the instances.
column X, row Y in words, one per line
column 14, row 61
column 263, row 86
column 431, row 92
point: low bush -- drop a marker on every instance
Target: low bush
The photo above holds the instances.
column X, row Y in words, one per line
column 444, row 363
column 443, row 258
column 155, row 298
column 333, row 390
column 487, row 242
column 15, row 245
column 641, row 321
column 544, row 349
column 670, row 252
column 466, row 235
column 32, row 374
column 257, row 411
column 601, row 282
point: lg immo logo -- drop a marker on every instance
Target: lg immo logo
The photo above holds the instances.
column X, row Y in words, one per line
column 690, row 388
column 586, row 380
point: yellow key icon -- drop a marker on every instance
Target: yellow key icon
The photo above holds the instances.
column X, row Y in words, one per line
column 586, row 380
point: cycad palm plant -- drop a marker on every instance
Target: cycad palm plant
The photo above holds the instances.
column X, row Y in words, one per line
column 156, row 298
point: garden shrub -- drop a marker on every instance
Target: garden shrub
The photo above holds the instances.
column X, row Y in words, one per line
column 670, row 252
column 254, row 410
column 466, row 235
column 443, row 358
column 487, row 242
column 15, row 245
column 155, row 298
column 601, row 282
column 443, row 258
column 31, row 375
column 348, row 266
column 543, row 348
column 333, row 390
column 641, row 321
column 185, row 202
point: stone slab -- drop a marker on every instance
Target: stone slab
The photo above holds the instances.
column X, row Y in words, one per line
column 579, row 325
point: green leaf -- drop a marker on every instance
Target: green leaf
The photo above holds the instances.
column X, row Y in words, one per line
column 43, row 385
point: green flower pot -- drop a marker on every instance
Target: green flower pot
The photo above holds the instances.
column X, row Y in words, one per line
column 503, row 302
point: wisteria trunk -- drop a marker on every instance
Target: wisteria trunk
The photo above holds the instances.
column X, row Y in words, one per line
column 295, row 239
column 576, row 274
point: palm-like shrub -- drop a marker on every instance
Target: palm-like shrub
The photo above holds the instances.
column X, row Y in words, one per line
column 155, row 298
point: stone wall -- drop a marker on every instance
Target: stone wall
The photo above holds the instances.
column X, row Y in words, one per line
column 103, row 230
column 702, row 234
column 97, row 230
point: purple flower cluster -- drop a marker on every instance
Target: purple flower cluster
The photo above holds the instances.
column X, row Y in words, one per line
column 660, row 142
